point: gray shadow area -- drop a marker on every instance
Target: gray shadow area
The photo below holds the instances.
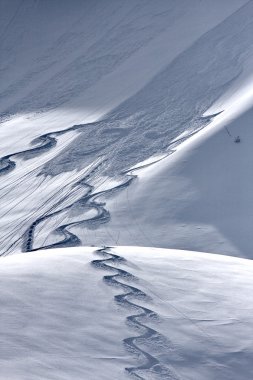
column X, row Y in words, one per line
column 173, row 102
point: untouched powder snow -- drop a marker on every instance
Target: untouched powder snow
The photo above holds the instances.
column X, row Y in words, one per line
column 59, row 319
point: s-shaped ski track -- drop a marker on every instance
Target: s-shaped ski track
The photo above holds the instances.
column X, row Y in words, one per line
column 151, row 365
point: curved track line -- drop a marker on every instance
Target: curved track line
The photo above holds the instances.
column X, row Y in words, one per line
column 88, row 200
column 45, row 143
column 148, row 335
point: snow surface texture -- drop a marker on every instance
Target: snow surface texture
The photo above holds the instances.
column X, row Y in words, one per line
column 198, row 198
column 149, row 74
column 59, row 320
column 118, row 127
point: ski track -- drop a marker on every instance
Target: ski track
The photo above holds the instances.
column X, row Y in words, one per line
column 151, row 365
column 88, row 201
column 148, row 337
column 43, row 144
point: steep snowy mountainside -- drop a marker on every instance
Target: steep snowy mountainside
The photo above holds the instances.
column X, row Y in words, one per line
column 53, row 51
column 126, row 125
column 81, row 60
column 59, row 320
column 174, row 101
column 200, row 196
column 171, row 61
column 198, row 200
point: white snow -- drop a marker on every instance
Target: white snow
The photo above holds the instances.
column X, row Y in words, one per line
column 163, row 66
column 59, row 319
column 51, row 53
column 198, row 198
column 167, row 107
column 117, row 127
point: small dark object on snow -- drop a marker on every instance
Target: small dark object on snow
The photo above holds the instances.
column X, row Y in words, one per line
column 237, row 139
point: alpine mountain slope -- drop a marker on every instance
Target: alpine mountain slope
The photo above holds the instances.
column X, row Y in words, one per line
column 126, row 189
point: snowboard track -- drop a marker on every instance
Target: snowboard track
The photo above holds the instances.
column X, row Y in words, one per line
column 148, row 336
column 89, row 201
column 43, row 144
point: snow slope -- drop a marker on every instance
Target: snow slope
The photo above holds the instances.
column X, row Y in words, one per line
column 149, row 74
column 59, row 319
column 98, row 37
column 200, row 197
column 92, row 93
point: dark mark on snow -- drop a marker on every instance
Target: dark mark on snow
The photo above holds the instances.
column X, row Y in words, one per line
column 87, row 200
column 151, row 364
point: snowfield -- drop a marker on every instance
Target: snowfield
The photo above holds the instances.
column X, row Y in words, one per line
column 200, row 196
column 126, row 126
column 59, row 319
column 175, row 65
